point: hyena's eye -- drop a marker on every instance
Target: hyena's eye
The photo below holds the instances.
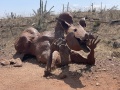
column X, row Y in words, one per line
column 75, row 30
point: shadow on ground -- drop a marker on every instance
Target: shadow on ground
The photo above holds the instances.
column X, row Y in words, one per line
column 72, row 78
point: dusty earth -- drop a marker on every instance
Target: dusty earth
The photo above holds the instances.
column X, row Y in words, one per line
column 104, row 75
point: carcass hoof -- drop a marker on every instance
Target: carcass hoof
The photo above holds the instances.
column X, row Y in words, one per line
column 47, row 73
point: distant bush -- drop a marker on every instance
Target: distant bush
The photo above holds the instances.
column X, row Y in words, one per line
column 96, row 23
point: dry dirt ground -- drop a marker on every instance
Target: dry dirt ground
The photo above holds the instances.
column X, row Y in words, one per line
column 104, row 75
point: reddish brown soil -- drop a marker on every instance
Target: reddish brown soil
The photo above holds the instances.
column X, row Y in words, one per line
column 105, row 75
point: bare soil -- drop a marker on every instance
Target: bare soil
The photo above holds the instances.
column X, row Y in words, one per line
column 104, row 75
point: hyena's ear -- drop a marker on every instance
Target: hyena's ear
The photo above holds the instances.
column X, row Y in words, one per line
column 63, row 23
column 82, row 22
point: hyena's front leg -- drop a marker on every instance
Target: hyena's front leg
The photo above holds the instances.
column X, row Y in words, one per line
column 55, row 46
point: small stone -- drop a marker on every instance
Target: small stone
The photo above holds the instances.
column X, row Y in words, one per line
column 5, row 62
column 114, row 57
column 114, row 77
column 96, row 76
column 103, row 69
column 12, row 61
column 18, row 63
column 89, row 75
column 108, row 56
column 97, row 84
column 95, row 70
column 94, row 79
column 91, row 83
column 110, row 59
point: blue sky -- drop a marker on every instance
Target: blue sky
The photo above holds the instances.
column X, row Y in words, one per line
column 25, row 7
